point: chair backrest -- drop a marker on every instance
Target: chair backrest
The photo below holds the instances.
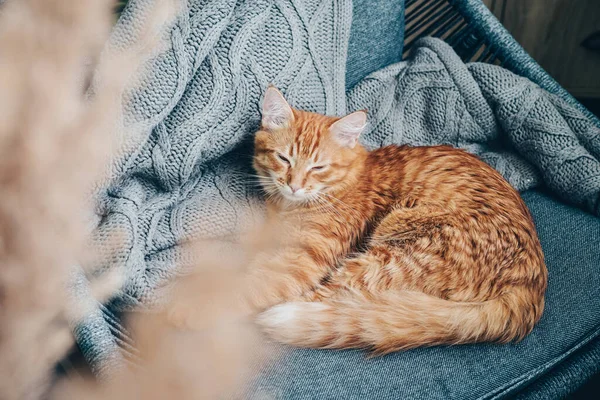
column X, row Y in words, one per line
column 477, row 35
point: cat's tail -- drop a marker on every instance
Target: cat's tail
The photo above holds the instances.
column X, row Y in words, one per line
column 401, row 320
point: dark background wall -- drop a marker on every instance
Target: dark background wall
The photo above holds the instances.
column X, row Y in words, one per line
column 553, row 32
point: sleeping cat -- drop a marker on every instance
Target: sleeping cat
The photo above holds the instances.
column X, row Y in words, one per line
column 396, row 248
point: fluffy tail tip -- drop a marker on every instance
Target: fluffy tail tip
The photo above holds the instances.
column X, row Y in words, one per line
column 294, row 323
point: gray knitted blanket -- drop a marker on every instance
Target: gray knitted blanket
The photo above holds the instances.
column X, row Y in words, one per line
column 198, row 101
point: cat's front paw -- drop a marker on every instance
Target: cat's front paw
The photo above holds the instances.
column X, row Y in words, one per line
column 261, row 292
column 259, row 301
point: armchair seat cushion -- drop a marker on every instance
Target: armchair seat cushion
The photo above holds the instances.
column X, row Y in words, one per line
column 563, row 348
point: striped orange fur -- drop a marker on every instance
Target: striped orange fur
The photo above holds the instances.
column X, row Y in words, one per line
column 392, row 249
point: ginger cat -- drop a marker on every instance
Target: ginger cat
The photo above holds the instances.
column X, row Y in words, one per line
column 396, row 248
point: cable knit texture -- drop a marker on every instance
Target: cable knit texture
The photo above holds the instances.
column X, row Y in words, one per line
column 198, row 100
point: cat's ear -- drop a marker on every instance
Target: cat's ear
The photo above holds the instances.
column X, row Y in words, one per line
column 346, row 130
column 276, row 112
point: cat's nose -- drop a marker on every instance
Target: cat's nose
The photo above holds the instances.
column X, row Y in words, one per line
column 294, row 187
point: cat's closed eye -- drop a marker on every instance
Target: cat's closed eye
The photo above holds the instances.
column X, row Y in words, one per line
column 318, row 168
column 283, row 158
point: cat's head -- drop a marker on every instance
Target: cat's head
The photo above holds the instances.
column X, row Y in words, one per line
column 302, row 156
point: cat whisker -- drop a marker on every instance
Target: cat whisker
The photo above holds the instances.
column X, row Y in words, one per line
column 331, row 210
column 340, row 203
